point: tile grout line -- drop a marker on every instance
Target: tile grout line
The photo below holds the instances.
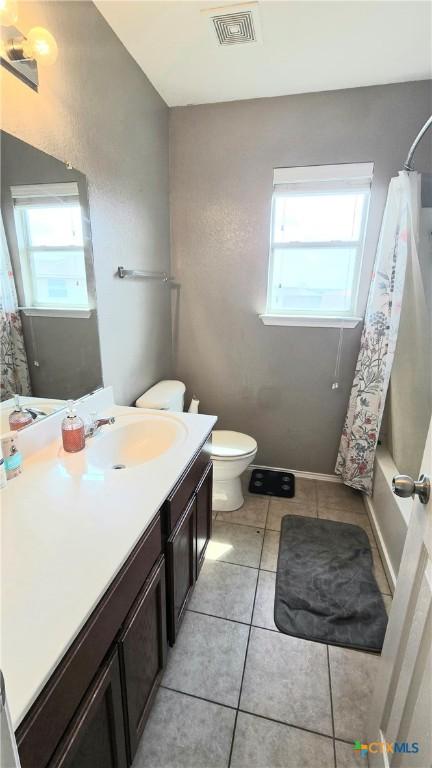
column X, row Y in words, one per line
column 255, row 567
column 241, row 565
column 255, row 714
column 289, row 725
column 247, row 525
column 200, row 698
column 222, row 618
column 266, row 518
column 245, row 658
column 262, row 548
column 331, row 703
column 270, row 629
column 267, row 570
column 241, row 525
column 240, row 692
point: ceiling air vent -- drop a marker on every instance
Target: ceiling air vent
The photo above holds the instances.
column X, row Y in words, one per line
column 236, row 24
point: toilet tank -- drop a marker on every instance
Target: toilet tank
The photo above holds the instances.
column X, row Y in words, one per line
column 163, row 396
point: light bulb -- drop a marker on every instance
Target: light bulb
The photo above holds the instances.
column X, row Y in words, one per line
column 40, row 45
column 8, row 12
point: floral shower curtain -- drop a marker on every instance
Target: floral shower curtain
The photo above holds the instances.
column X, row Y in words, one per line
column 14, row 369
column 399, row 234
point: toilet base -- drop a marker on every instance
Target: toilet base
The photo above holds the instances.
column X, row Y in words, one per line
column 227, row 495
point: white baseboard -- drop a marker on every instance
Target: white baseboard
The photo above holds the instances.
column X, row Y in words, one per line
column 391, row 576
column 300, row 473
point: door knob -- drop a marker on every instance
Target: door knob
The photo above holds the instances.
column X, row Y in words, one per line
column 405, row 486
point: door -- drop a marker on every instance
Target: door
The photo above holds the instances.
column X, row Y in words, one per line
column 143, row 649
column 181, row 559
column 96, row 736
column 400, row 713
column 203, row 516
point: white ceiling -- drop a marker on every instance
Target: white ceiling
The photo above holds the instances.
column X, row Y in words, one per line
column 306, row 46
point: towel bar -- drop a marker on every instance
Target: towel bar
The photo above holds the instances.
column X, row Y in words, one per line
column 164, row 276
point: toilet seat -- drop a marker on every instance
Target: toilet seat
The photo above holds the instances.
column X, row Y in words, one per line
column 230, row 446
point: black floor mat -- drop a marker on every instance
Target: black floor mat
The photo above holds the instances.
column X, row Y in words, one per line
column 325, row 586
column 271, row 482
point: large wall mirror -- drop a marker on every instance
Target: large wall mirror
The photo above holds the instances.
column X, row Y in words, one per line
column 49, row 331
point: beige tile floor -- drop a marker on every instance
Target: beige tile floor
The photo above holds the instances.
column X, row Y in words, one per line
column 237, row 693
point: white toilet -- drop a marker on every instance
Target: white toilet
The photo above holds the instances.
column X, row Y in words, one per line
column 164, row 396
column 232, row 452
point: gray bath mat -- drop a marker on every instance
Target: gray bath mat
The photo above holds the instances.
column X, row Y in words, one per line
column 325, row 587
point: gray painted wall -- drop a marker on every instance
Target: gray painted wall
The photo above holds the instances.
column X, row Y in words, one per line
column 66, row 349
column 271, row 382
column 96, row 109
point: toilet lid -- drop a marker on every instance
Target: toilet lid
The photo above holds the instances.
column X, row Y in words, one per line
column 228, row 445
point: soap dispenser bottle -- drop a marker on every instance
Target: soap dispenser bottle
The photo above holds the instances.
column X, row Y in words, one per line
column 12, row 457
column 73, row 432
column 3, row 475
column 19, row 417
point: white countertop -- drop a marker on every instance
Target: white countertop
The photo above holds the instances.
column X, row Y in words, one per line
column 67, row 529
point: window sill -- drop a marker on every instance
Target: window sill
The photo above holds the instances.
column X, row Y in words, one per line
column 311, row 322
column 50, row 312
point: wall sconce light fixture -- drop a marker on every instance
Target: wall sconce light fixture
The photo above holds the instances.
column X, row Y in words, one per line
column 20, row 53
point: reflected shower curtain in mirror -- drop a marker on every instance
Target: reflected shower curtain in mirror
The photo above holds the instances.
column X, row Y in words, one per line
column 15, row 377
column 397, row 242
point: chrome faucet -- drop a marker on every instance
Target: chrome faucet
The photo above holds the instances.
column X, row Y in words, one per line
column 96, row 424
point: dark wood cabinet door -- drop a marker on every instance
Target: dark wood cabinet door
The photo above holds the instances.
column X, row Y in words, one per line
column 96, row 736
column 175, row 504
column 181, row 568
column 203, row 515
column 143, row 649
column 45, row 724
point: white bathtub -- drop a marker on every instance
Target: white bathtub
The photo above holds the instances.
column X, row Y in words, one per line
column 388, row 513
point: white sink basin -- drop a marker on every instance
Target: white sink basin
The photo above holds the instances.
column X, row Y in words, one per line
column 134, row 440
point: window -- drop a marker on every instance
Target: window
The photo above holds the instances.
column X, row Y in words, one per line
column 317, row 235
column 51, row 248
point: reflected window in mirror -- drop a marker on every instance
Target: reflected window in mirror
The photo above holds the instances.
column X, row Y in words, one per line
column 51, row 248
column 49, row 268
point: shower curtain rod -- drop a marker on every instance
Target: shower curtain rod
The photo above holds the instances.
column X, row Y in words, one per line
column 408, row 166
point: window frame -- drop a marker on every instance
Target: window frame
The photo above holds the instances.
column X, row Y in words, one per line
column 310, row 180
column 48, row 193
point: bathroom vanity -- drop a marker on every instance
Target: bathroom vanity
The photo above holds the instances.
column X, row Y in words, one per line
column 84, row 672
